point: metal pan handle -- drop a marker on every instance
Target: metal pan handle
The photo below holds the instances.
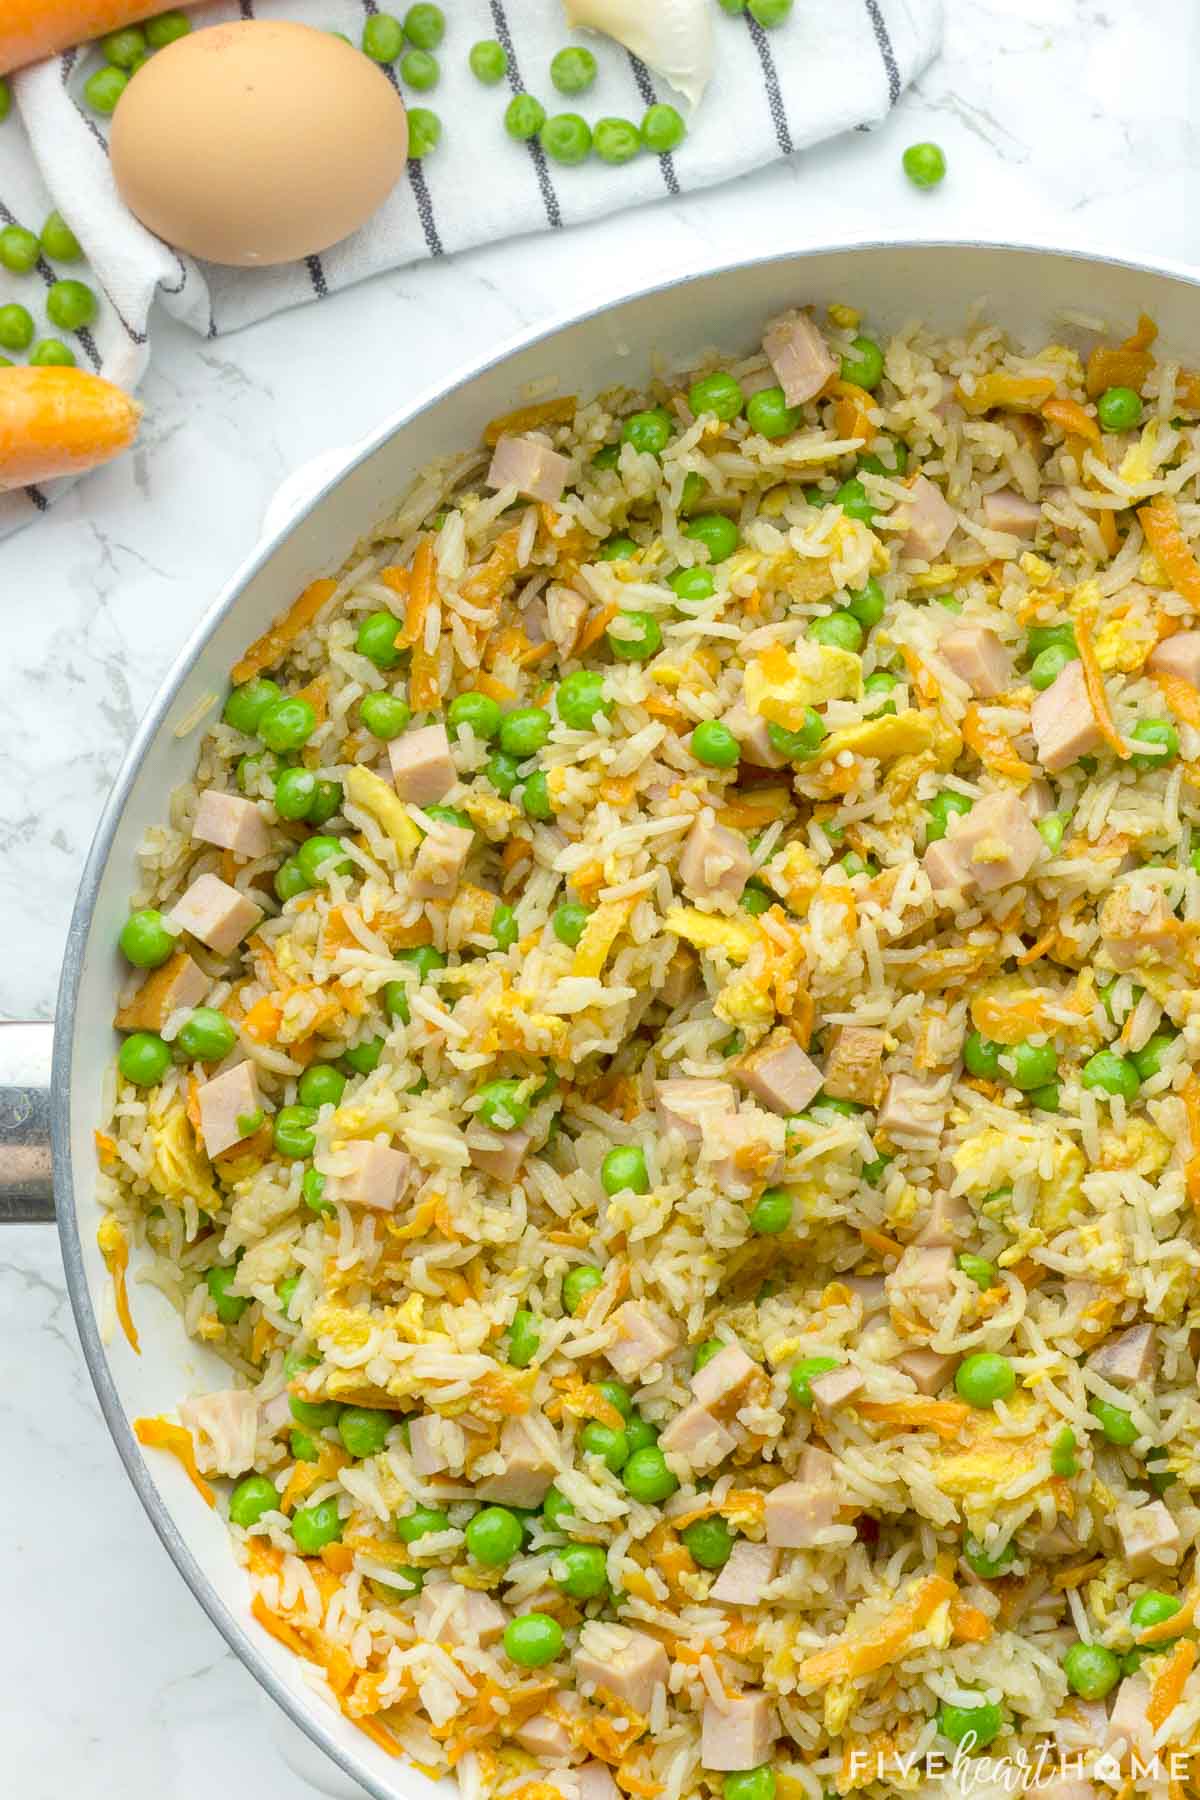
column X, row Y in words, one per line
column 26, row 1190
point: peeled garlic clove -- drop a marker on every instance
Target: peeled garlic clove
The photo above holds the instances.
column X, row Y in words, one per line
column 673, row 36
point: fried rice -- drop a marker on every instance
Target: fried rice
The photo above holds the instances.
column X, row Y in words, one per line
column 701, row 1223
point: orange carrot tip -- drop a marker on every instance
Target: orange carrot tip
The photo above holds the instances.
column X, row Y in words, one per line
column 57, row 421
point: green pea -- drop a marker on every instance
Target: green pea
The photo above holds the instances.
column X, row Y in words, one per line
column 714, row 745
column 640, row 1433
column 634, row 636
column 606, row 1442
column 287, row 723
column 488, row 61
column 580, row 699
column 524, row 117
column 798, row 746
column 771, row 1212
column 624, row 1170
column 982, row 1057
column 897, row 454
column 229, row 1307
column 768, row 413
column 1155, row 731
column 290, row 879
column 759, row 1783
column 304, row 1447
column 504, row 926
column 523, row 1339
column 825, row 1103
column 166, row 28
column 1033, row 1066
column 756, row 898
column 692, row 584
column 566, row 138
column 1152, row 1608
column 802, row 1372
column 144, row 1059
column 708, row 1541
column 618, row 1395
column 502, row 771
column 769, row 13
column 568, row 922
column 19, row 249
column 863, row 365
column 71, row 305
column 122, row 48
column 663, row 129
column 881, row 682
column 1119, row 409
column 573, row 70
column 247, row 704
column 206, row 1035
column 581, row 1570
column 976, row 1726
column 315, row 1526
column 984, row 1377
column 424, row 132
column 874, row 1171
column 1051, row 830
column 145, row 939
column 1091, row 1670
column 1148, row 1060
column 295, row 791
column 616, row 141
column 103, row 89
column 1111, row 1074
column 376, row 639
column 294, row 1136
column 494, row 1536
column 321, row 1085
column 556, row 1510
column 533, row 1640
column 535, row 797
column 253, row 1496
column 420, row 70
column 16, row 327
column 1045, row 637
column 313, row 1189
column 1062, row 1453
column 618, row 548
column 718, row 394
column 422, row 1521
column 987, row 1563
column 326, row 801
column 5, row 99
column 852, row 498
column 500, row 1105
column 285, row 1292
column 718, row 534
column 704, row 1353
column 978, row 1268
column 839, row 630
column 647, row 1477
column 478, row 711
column 425, row 25
column 649, row 432
column 364, row 1430
column 58, row 240
column 1048, row 665
column 924, row 164
column 868, row 604
column 1047, row 1098
column 577, row 1284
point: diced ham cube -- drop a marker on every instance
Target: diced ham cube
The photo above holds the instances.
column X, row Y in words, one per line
column 1137, row 923
column 799, row 355
column 1128, row 1719
column 645, row 1337
column 854, row 1064
column 1039, row 799
column 593, row 1781
column 748, row 1571
column 532, row 1459
column 835, row 1388
column 753, row 738
column 497, row 1153
column 422, row 767
column 1126, row 1359
column 1082, row 1726
column 949, row 1217
column 180, row 982
column 627, row 1664
column 740, row 1151
column 723, row 1380
column 376, row 1179
column 913, row 1110
column 978, row 657
column 449, row 1614
column 929, row 518
column 226, row 1427
column 779, row 1073
column 435, row 1443
column 738, row 1734
column 215, row 913
column 1149, row 1538
column 928, row 1370
column 1178, row 655
column 990, row 847
column 684, row 1103
column 1063, row 723
column 229, row 1105
column 714, row 860
column 1006, row 510
column 546, row 1735
column 923, row 1278
column 566, row 609
column 799, row 1511
column 680, row 981
column 698, row 1438
column 530, row 466
column 869, row 1290
column 231, row 823
column 440, row 861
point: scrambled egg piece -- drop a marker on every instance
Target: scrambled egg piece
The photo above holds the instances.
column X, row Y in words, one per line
column 901, row 734
column 978, row 1472
column 599, row 935
column 709, row 931
column 1141, row 1147
column 780, row 684
column 745, row 1002
column 372, row 1110
column 1059, row 1194
column 178, row 1170
column 1140, row 462
column 1121, row 641
column 794, row 876
column 373, row 794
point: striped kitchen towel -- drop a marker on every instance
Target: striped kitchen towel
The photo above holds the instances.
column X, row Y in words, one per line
column 827, row 70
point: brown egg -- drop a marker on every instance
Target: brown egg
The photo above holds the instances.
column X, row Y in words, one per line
column 257, row 142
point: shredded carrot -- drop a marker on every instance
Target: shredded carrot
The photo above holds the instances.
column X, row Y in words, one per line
column 263, row 1020
column 595, row 627
column 494, row 689
column 880, row 1644
column 1072, row 418
column 420, row 596
column 267, row 650
column 491, row 576
column 659, row 707
column 528, row 418
column 160, row 1434
column 114, row 1248
column 945, row 1417
column 536, row 653
column 376, row 1731
column 1144, row 334
column 398, row 578
column 1040, row 948
column 1164, row 534
column 1106, row 525
column 1168, row 1687
column 1166, row 1629
column 1190, row 1095
column 804, row 1015
column 755, row 809
column 1116, row 367
column 1076, row 1576
column 1187, row 389
column 1094, row 682
column 424, row 685
column 923, row 679
column 1020, row 393
column 993, row 748
column 851, row 414
column 106, row 1148
column 1008, row 1021
column 1181, row 697
column 969, row 1625
column 880, row 1242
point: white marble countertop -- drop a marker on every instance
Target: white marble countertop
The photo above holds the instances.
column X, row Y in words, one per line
column 1065, row 120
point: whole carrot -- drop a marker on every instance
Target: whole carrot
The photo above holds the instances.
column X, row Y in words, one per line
column 60, row 422
column 33, row 29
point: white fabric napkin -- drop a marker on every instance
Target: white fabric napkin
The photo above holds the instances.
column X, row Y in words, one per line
column 828, row 69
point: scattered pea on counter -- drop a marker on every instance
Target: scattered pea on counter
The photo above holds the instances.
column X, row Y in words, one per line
column 924, row 164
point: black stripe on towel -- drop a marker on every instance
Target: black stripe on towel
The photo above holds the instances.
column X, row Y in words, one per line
column 38, row 499
column 536, row 154
column 883, row 39
column 416, row 175
column 49, row 278
column 783, row 136
column 645, row 88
